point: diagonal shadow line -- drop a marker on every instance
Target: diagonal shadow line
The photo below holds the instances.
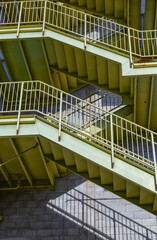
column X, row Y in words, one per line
column 66, row 214
column 128, row 225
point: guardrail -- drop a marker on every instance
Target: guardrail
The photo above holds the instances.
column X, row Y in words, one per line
column 120, row 137
column 105, row 100
column 90, row 28
column 98, row 218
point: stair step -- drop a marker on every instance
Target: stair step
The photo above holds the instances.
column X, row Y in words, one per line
column 106, row 176
column 81, row 163
column 56, row 79
column 51, row 53
column 132, row 190
column 146, row 197
column 155, row 204
column 71, row 59
column 91, row 67
column 68, row 157
column 60, row 53
column 64, row 82
column 72, row 82
column 81, row 63
column 119, row 184
column 57, row 151
column 93, row 170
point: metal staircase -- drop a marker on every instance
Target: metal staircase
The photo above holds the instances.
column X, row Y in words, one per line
column 64, row 52
column 98, row 145
column 102, row 32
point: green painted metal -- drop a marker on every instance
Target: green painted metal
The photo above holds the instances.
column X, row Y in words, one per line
column 131, row 176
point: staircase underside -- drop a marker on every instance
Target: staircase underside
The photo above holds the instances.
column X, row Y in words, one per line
column 40, row 158
column 55, row 59
column 35, row 32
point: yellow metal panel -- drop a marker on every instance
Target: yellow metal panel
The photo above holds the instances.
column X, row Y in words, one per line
column 91, row 4
column 56, row 79
column 149, row 17
column 143, row 98
column 132, row 190
column 113, row 74
column 146, row 197
column 135, row 17
column 56, row 150
column 81, row 63
column 60, row 53
column 153, row 102
column 119, row 8
column 32, row 158
column 93, row 170
column 63, row 81
column 102, row 69
column 100, row 6
column 81, row 163
column 119, row 184
column 91, row 67
column 36, row 60
column 69, row 157
column 50, row 49
column 109, row 7
column 12, row 51
column 71, row 60
column 82, row 3
column 72, row 81
column 106, row 176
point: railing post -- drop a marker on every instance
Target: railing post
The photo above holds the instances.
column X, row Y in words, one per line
column 90, row 124
column 85, row 31
column 19, row 111
column 18, row 27
column 112, row 141
column 154, row 157
column 130, row 49
column 114, row 224
column 60, row 116
column 43, row 28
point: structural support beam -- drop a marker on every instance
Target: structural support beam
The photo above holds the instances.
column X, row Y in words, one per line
column 5, row 67
column 46, row 61
column 135, row 98
column 22, row 163
column 6, row 174
column 46, row 163
column 25, row 60
column 150, row 102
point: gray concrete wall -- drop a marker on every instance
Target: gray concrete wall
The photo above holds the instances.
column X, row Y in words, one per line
column 30, row 215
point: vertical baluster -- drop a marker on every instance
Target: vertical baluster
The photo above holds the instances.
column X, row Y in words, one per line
column 154, row 156
column 60, row 116
column 85, row 30
column 19, row 110
column 112, row 140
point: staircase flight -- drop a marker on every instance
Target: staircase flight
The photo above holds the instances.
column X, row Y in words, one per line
column 84, row 138
column 140, row 47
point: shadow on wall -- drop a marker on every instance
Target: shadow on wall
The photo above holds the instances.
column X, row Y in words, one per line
column 64, row 214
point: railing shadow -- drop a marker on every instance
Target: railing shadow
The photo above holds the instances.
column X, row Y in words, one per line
column 98, row 218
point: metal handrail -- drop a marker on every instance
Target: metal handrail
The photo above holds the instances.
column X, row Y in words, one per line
column 98, row 217
column 141, row 45
column 123, row 138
